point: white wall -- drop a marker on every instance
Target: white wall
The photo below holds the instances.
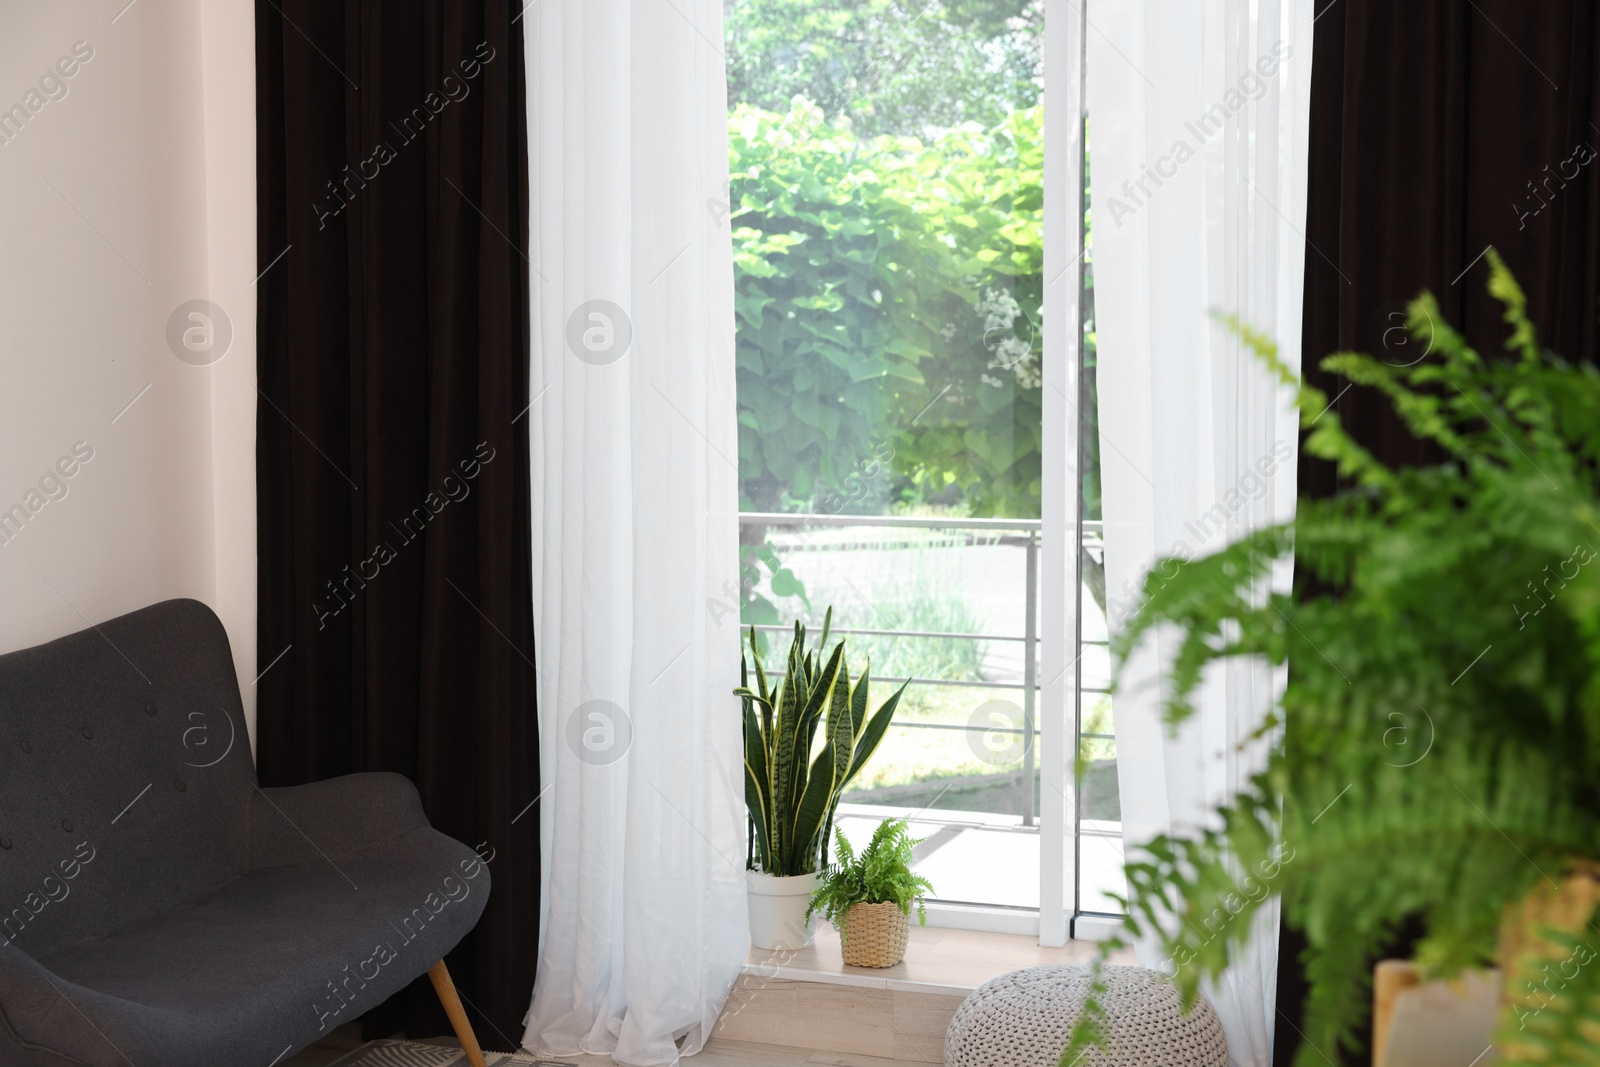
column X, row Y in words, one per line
column 127, row 189
column 228, row 41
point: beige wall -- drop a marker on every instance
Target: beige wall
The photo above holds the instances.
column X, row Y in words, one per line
column 229, row 73
column 126, row 189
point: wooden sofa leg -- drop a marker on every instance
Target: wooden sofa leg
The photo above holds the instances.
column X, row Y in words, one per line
column 451, row 1000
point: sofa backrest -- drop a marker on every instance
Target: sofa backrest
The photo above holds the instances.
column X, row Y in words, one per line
column 125, row 774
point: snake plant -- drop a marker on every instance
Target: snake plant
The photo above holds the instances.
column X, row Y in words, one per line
column 791, row 787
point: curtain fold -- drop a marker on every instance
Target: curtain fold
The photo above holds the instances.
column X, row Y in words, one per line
column 396, row 628
column 1198, row 115
column 635, row 517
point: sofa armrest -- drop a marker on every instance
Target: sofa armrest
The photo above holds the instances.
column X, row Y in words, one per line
column 297, row 824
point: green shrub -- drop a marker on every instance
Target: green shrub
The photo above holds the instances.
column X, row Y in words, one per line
column 887, row 295
column 893, row 66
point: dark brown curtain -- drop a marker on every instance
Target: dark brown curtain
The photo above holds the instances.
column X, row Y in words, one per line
column 1438, row 128
column 396, row 628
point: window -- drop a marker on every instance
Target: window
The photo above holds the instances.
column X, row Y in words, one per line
column 909, row 450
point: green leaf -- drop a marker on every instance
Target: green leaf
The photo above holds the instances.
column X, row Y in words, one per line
column 872, row 736
column 784, row 583
column 756, row 782
column 905, row 372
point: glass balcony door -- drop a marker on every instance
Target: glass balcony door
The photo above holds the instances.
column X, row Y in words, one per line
column 913, row 302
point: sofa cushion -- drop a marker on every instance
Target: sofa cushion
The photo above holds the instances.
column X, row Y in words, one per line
column 306, row 946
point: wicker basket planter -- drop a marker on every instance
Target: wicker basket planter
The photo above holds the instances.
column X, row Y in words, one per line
column 875, row 935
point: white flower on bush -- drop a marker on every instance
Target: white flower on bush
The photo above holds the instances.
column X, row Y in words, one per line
column 1000, row 311
column 1022, row 360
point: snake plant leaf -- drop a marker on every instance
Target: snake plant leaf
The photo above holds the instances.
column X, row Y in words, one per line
column 796, row 653
column 787, row 770
column 817, row 699
column 813, row 808
column 820, row 705
column 752, row 695
column 845, row 732
column 858, row 706
column 841, row 727
column 797, row 727
column 756, row 783
column 842, row 740
column 872, row 736
column 796, row 668
column 748, row 695
column 810, row 787
column 762, row 685
column 828, row 770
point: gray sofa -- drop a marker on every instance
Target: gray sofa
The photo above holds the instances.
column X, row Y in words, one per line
column 157, row 908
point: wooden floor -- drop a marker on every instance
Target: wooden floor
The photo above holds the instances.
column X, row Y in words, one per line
column 718, row 1053
column 940, row 966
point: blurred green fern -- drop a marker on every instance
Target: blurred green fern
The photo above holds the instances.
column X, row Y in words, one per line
column 1442, row 755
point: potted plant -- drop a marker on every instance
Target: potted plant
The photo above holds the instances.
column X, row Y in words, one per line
column 868, row 897
column 1441, row 755
column 804, row 740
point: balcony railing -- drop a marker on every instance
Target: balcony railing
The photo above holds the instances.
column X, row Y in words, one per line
column 1022, row 533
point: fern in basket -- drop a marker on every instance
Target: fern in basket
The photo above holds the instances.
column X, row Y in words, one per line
column 880, row 875
column 1441, row 761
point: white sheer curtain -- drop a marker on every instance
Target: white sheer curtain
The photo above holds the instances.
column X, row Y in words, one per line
column 1198, row 124
column 635, row 514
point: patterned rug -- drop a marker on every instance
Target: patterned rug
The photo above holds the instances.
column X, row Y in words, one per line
column 416, row 1054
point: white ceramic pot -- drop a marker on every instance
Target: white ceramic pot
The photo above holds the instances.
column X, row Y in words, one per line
column 778, row 909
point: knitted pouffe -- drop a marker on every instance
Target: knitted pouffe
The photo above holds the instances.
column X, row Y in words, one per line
column 1025, row 1018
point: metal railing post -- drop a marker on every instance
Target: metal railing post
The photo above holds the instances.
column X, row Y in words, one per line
column 1030, row 679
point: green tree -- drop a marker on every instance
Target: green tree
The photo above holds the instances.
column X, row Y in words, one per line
column 888, row 298
column 890, row 66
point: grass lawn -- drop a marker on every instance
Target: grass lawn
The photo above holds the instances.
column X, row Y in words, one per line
column 965, row 770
